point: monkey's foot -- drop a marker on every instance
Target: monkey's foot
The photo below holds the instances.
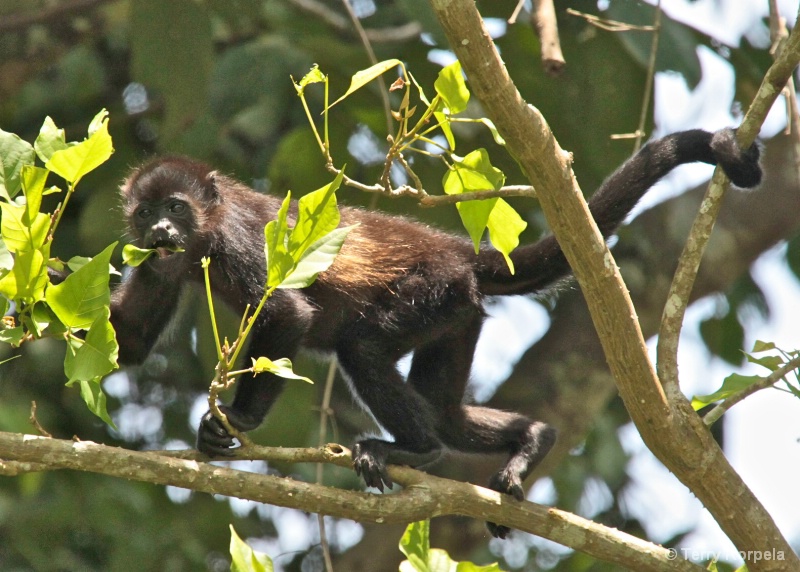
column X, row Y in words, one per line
column 510, row 484
column 370, row 463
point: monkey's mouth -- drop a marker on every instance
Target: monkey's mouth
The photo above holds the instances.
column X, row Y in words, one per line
column 164, row 249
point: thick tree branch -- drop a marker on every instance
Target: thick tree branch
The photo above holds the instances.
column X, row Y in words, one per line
column 676, row 436
column 423, row 495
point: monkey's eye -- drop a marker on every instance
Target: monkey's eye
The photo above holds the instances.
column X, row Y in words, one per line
column 144, row 213
column 177, row 208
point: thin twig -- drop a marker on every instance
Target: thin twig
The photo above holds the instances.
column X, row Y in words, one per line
column 651, row 72
column 365, row 41
column 608, row 25
column 428, row 200
column 515, row 14
column 712, row 416
column 324, row 412
column 403, row 33
column 35, row 422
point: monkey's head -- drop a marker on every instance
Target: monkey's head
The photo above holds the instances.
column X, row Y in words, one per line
column 167, row 203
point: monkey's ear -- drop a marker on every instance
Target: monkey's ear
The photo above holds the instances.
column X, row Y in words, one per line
column 212, row 186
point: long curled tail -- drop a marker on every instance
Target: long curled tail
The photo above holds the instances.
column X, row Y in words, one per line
column 539, row 265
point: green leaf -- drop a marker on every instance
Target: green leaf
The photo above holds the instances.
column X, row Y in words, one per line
column 313, row 76
column 279, row 261
column 444, row 125
column 505, row 225
column 732, row 385
column 245, row 559
column 49, row 140
column 84, row 295
column 77, row 262
column 770, row 362
column 95, row 399
column 33, row 181
column 317, row 215
column 316, row 259
column 422, row 97
column 724, row 336
column 280, row 367
column 450, row 85
column 363, row 77
column 14, row 153
column 76, row 161
column 98, row 121
column 37, row 320
column 28, row 279
column 19, row 232
column 134, row 256
column 474, row 173
column 97, row 356
column 6, row 260
column 12, row 336
column 760, row 346
column 495, row 133
column 415, row 544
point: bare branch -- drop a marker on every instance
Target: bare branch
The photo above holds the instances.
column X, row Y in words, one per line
column 609, row 25
column 424, row 496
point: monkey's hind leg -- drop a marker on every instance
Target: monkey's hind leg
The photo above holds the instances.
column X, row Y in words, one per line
column 440, row 372
column 486, row 430
column 396, row 406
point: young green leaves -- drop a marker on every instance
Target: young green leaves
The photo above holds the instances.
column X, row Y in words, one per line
column 81, row 301
column 416, row 545
column 471, row 174
column 476, row 173
column 295, row 256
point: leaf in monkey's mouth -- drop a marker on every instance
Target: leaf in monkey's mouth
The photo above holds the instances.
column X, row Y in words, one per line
column 134, row 256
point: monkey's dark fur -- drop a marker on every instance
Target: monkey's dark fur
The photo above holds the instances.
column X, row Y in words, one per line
column 397, row 286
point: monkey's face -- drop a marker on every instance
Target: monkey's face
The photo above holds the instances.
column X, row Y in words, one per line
column 164, row 225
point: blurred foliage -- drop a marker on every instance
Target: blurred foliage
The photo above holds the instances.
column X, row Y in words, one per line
column 210, row 78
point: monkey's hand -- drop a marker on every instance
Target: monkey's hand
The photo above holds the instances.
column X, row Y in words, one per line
column 212, row 437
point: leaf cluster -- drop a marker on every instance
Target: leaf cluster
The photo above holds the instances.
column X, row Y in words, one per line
column 77, row 308
column 418, row 125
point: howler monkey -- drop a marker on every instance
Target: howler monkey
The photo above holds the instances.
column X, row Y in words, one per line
column 397, row 286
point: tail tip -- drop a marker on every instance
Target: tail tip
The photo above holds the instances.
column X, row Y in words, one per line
column 741, row 166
